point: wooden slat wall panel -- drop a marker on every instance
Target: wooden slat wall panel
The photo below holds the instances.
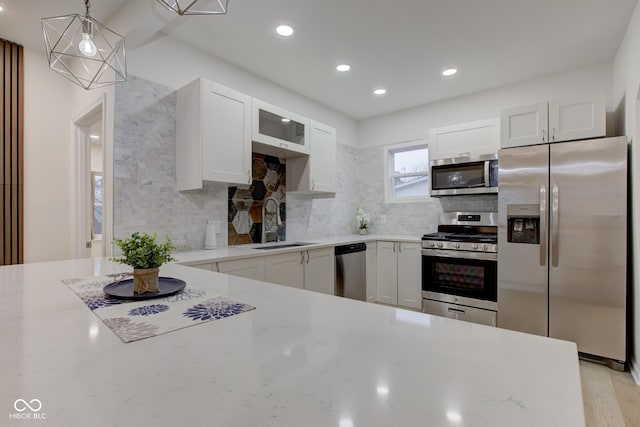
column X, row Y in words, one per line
column 11, row 153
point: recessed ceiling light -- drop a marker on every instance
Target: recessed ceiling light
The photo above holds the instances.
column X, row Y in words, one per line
column 449, row 71
column 284, row 30
column 343, row 67
column 380, row 91
column 284, row 120
column 1, row 8
column 94, row 136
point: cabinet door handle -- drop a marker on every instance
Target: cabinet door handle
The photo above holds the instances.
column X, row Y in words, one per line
column 455, row 310
column 313, row 185
column 249, row 176
column 307, row 256
column 465, row 154
column 543, row 135
column 301, row 257
column 553, row 134
column 394, row 247
column 283, row 145
column 399, row 246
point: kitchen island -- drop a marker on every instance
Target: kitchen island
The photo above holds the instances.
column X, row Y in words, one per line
column 299, row 359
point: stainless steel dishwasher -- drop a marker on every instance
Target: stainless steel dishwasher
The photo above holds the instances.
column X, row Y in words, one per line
column 351, row 275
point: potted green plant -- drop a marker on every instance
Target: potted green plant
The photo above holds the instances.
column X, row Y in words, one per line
column 141, row 252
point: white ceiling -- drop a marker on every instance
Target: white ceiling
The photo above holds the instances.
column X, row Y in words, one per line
column 402, row 45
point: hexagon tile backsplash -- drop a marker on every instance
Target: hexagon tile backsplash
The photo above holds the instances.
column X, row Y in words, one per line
column 247, row 203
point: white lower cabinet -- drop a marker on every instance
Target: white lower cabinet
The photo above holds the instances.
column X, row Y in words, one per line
column 409, row 275
column 250, row 268
column 310, row 269
column 319, row 270
column 285, row 269
column 209, row 266
column 387, row 290
column 371, row 271
column 399, row 274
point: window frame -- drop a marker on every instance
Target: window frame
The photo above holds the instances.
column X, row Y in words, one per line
column 388, row 155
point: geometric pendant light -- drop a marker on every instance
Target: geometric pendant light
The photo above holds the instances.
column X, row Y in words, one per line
column 187, row 7
column 84, row 51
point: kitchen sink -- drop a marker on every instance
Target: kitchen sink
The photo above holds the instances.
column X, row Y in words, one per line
column 286, row 245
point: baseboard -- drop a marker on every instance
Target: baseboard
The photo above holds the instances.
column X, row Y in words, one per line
column 634, row 369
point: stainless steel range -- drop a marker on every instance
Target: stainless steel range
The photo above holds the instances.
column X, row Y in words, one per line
column 459, row 267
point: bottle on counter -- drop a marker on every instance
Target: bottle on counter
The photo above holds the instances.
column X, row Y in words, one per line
column 210, row 241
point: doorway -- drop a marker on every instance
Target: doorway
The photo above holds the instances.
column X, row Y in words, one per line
column 89, row 179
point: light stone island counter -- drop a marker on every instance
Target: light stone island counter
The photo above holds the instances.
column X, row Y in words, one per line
column 299, row 359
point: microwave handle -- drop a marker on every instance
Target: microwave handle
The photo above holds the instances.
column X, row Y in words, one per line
column 487, row 177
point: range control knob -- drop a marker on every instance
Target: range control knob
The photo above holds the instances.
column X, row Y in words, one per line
column 474, row 246
column 431, row 244
column 456, row 245
column 440, row 244
column 485, row 247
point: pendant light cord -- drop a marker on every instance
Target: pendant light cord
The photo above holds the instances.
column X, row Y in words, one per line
column 87, row 5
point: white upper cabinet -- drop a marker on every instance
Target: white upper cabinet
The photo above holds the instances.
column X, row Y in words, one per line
column 213, row 135
column 465, row 140
column 316, row 173
column 524, row 126
column 578, row 118
column 278, row 132
column 554, row 121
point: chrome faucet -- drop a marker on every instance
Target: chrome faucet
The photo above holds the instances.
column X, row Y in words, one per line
column 268, row 234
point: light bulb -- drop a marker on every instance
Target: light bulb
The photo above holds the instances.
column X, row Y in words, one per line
column 87, row 46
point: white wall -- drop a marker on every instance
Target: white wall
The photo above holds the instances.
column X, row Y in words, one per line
column 415, row 123
column 172, row 63
column 96, row 157
column 47, row 161
column 626, row 72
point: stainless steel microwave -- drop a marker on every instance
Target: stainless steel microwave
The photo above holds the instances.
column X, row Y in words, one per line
column 464, row 175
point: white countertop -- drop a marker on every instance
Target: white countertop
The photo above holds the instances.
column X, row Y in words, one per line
column 248, row 251
column 300, row 359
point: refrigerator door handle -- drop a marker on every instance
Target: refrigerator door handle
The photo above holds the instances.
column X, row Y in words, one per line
column 543, row 225
column 555, row 228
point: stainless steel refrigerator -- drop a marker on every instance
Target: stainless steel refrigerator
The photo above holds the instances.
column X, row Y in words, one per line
column 562, row 243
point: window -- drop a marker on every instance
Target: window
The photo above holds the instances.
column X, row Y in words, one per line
column 96, row 202
column 407, row 172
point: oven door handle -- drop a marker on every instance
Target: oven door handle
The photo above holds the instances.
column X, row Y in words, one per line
column 439, row 253
column 455, row 310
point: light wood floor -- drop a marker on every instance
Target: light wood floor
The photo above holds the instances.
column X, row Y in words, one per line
column 611, row 398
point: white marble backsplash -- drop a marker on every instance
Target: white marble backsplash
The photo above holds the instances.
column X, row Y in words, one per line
column 146, row 197
column 145, row 193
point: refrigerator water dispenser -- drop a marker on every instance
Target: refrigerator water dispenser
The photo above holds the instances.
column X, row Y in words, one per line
column 523, row 224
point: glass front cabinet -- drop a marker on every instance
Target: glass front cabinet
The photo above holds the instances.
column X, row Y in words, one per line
column 279, row 132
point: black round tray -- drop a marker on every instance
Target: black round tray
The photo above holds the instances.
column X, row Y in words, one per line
column 123, row 289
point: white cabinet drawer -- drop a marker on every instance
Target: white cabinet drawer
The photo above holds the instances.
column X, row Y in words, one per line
column 459, row 312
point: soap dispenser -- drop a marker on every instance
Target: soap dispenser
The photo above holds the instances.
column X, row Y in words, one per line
column 210, row 235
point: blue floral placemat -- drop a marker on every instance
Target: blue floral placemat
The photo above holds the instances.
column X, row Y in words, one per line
column 136, row 320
